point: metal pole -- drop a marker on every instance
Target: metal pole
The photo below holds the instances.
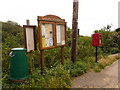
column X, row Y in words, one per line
column 74, row 30
column 96, row 54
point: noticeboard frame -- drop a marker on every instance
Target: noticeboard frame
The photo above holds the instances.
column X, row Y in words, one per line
column 25, row 36
column 50, row 19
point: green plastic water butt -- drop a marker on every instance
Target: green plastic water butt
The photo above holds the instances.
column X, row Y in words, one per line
column 18, row 64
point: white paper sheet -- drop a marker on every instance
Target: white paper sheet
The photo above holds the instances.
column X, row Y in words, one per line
column 58, row 33
column 30, row 39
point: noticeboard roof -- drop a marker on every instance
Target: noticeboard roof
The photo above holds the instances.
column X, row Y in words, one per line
column 52, row 18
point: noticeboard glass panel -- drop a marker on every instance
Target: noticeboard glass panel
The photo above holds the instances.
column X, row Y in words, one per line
column 60, row 33
column 47, row 35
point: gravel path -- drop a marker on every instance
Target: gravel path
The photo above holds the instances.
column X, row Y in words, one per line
column 107, row 78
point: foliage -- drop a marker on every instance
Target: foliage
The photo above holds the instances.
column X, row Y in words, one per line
column 79, row 68
column 56, row 77
column 55, row 74
column 103, row 62
column 12, row 37
column 117, row 30
column 11, row 27
column 110, row 41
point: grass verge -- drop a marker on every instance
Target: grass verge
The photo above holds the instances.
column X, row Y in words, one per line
column 60, row 76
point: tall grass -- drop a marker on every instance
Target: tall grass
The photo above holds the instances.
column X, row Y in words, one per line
column 56, row 75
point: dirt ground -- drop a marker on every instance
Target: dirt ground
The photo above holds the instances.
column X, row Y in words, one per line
column 107, row 78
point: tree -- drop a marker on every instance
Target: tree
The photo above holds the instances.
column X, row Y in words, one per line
column 11, row 27
column 110, row 40
column 117, row 30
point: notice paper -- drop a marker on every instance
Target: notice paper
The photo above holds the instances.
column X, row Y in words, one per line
column 58, row 34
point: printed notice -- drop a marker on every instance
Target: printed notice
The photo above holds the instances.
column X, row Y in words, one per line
column 63, row 42
column 47, row 35
column 30, row 39
column 58, row 34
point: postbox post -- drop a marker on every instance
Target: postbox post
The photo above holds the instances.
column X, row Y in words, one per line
column 96, row 53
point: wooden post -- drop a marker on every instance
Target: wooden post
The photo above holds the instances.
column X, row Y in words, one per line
column 42, row 61
column 30, row 62
column 74, row 30
column 29, row 54
column 62, row 55
column 78, row 32
column 28, row 22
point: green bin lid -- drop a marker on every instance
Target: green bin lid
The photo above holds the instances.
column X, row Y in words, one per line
column 18, row 49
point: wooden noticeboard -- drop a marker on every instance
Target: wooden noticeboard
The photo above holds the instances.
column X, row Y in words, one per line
column 52, row 34
column 51, row 31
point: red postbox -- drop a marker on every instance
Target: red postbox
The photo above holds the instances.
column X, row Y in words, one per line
column 96, row 39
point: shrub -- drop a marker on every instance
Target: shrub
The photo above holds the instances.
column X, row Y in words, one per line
column 77, row 68
column 55, row 77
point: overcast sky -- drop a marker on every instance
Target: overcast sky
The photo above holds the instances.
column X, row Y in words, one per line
column 93, row 14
